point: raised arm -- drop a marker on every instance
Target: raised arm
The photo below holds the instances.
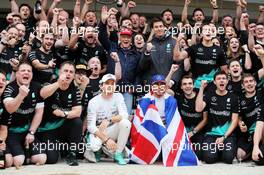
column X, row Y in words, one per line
column 251, row 33
column 248, row 62
column 125, row 9
column 174, row 68
column 12, row 104
column 14, row 6
column 103, row 37
column 241, row 8
column 85, row 8
column 184, row 17
column 199, row 102
column 179, row 54
column 77, row 9
column 74, row 35
column 52, row 6
column 261, row 14
column 54, row 23
column 48, row 90
column 215, row 11
column 118, row 69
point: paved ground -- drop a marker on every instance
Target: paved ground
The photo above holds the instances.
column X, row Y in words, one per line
column 110, row 168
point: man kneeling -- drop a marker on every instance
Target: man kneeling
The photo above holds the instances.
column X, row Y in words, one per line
column 108, row 123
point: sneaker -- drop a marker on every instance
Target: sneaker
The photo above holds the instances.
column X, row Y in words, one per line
column 90, row 156
column 71, row 159
column 98, row 155
column 119, row 158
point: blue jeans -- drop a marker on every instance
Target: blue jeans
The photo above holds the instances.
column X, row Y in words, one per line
column 128, row 97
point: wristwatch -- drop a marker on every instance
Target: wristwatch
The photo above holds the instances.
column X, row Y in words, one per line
column 66, row 113
column 194, row 131
column 31, row 132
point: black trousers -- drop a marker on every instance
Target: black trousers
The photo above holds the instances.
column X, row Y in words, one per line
column 213, row 153
column 197, row 142
column 65, row 138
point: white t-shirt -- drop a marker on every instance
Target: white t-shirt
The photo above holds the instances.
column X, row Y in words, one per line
column 160, row 104
column 100, row 108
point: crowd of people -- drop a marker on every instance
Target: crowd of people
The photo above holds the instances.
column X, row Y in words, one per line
column 79, row 80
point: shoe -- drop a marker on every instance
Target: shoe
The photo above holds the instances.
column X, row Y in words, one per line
column 98, row 155
column 118, row 157
column 90, row 156
column 71, row 159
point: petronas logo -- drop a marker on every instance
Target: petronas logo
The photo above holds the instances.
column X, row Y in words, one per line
column 69, row 96
column 33, row 95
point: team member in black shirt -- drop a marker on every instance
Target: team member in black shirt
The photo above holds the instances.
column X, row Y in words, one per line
column 94, row 65
column 3, row 128
column 10, row 49
column 86, row 46
column 250, row 104
column 81, row 80
column 42, row 60
column 194, row 122
column 258, row 148
column 24, row 106
column 61, row 122
column 206, row 58
column 222, row 108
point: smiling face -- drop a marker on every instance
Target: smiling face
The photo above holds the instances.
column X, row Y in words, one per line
column 95, row 65
column 260, row 31
column 2, row 83
column 159, row 89
column 111, row 20
column 235, row 69
column 159, row 29
column 234, row 45
column 249, row 83
column 230, row 32
column 126, row 24
column 198, row 16
column 139, row 41
column 142, row 21
column 13, row 33
column 16, row 19
column 125, row 41
column 90, row 36
column 221, row 82
column 24, row 12
column 109, row 87
column 78, row 75
column 187, row 86
column 21, row 30
column 135, row 21
column 227, row 21
column 47, row 42
column 90, row 18
column 207, row 33
column 24, row 74
column 43, row 26
column 168, row 18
